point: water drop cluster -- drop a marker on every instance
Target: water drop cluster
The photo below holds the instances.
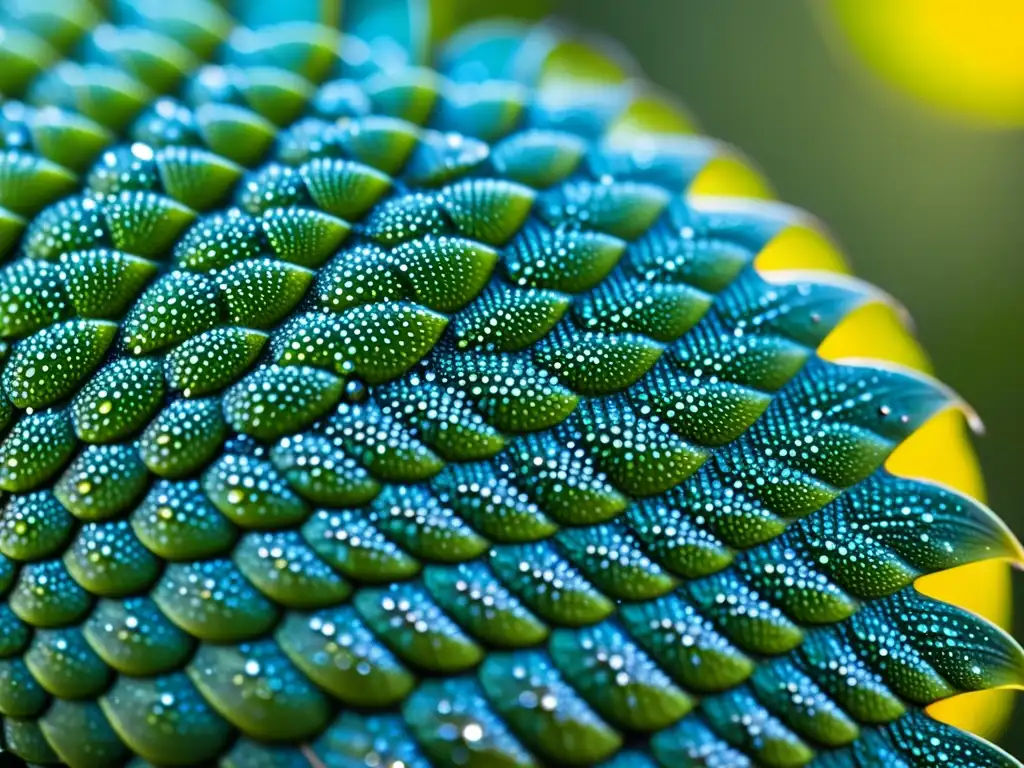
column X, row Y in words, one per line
column 355, row 413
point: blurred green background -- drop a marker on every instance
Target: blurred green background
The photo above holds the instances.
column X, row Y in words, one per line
column 925, row 204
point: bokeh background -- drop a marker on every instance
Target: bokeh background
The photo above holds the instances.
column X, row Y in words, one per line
column 916, row 165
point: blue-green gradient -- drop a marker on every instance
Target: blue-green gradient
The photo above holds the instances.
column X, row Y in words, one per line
column 930, row 208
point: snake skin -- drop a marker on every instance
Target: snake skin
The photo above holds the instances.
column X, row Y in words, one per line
column 364, row 415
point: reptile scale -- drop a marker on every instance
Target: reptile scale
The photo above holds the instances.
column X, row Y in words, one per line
column 374, row 404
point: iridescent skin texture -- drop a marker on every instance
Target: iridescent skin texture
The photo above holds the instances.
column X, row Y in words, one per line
column 360, row 415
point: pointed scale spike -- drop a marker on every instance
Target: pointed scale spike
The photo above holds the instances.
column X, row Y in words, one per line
column 354, row 411
column 893, row 530
column 917, row 739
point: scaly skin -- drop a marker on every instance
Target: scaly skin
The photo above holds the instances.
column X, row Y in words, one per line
column 361, row 414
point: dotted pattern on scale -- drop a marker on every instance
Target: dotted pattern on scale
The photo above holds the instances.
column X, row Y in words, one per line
column 366, row 417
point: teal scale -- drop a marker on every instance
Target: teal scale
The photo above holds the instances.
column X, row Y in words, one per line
column 368, row 400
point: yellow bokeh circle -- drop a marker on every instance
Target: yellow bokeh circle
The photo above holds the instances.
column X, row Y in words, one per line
column 964, row 57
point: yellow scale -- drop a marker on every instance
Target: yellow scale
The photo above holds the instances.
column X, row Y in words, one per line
column 940, row 451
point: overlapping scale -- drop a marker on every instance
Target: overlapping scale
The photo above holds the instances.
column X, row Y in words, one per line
column 365, row 414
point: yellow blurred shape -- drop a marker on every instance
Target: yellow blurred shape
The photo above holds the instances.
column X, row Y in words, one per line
column 964, row 56
column 876, row 331
column 800, row 247
column 985, row 713
column 576, row 61
column 941, row 451
column 727, row 175
column 650, row 113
